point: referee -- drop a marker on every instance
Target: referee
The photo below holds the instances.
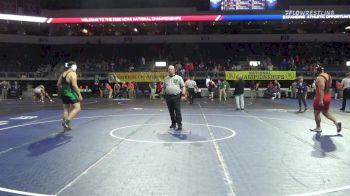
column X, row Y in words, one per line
column 175, row 90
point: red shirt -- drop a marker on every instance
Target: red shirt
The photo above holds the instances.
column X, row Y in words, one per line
column 108, row 87
column 131, row 86
column 339, row 86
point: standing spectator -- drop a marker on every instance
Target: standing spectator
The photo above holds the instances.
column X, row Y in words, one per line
column 269, row 66
column 160, row 90
column 284, row 64
column 291, row 64
column 294, row 89
column 182, row 72
column 227, row 88
column 153, row 88
column 190, row 68
column 124, row 90
column 222, row 91
column 211, row 88
column 346, row 90
column 338, row 89
column 5, row 87
column 239, row 93
column 109, row 90
column 256, row 90
column 131, row 90
column 257, row 86
column 252, row 90
column 277, row 90
column 302, row 92
column 191, row 87
column 101, row 89
column 201, row 66
column 313, row 89
column 18, row 90
column 178, row 67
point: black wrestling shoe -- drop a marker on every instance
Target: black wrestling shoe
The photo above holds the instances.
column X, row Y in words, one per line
column 172, row 126
column 338, row 127
column 179, row 128
column 65, row 125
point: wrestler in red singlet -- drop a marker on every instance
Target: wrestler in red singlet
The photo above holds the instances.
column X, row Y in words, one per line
column 321, row 105
column 327, row 96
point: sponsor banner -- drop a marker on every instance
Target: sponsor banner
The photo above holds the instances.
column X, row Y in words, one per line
column 261, row 75
column 136, row 76
column 119, row 19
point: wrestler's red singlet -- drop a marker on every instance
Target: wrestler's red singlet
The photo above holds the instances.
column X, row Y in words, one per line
column 326, row 99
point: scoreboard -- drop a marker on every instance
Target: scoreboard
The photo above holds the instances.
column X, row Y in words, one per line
column 243, row 5
column 232, row 5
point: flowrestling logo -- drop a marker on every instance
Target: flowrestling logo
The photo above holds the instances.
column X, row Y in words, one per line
column 308, row 12
column 313, row 14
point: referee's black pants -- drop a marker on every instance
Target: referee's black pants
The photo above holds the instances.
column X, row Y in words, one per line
column 174, row 106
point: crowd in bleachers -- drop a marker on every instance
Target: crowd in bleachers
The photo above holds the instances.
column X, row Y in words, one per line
column 175, row 28
column 186, row 57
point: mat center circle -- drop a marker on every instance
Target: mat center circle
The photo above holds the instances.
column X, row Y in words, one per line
column 160, row 133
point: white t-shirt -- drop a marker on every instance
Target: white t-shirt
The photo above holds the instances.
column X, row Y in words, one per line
column 346, row 83
column 207, row 82
column 37, row 90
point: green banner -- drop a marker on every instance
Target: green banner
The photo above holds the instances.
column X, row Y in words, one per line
column 261, row 75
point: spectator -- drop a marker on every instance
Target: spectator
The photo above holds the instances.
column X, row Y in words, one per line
column 239, row 93
column 346, row 90
column 211, row 88
column 302, row 93
column 222, row 91
column 102, row 89
column 109, row 90
column 269, row 67
column 160, row 90
column 131, row 90
column 284, row 64
column 277, row 90
column 153, row 88
column 124, row 90
column 5, row 87
column 17, row 89
column 294, row 89
column 338, row 90
column 252, row 90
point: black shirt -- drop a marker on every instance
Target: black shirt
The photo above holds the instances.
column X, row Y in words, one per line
column 239, row 87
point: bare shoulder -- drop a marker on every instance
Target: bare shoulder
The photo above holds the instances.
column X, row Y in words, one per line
column 71, row 74
column 326, row 75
